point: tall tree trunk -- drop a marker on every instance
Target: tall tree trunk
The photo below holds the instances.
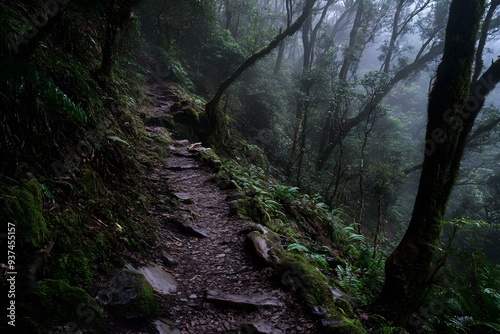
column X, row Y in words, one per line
column 108, row 51
column 410, row 265
column 483, row 37
column 117, row 14
column 394, row 36
column 211, row 108
column 309, row 36
column 348, row 58
column 366, row 134
column 378, row 228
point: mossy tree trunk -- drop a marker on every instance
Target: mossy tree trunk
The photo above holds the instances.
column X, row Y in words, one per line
column 118, row 13
column 453, row 106
column 215, row 123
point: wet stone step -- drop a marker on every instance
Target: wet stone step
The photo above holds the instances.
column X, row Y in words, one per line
column 242, row 302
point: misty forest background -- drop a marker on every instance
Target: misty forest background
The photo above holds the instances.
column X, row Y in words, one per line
column 336, row 114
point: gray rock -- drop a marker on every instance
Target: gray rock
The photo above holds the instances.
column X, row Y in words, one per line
column 184, row 198
column 128, row 296
column 326, row 323
column 319, row 311
column 187, row 228
column 342, row 295
column 161, row 281
column 251, row 302
column 168, row 259
column 263, row 241
column 163, row 327
column 181, row 143
column 233, row 207
column 259, row 328
column 183, row 225
column 260, row 245
column 234, row 195
column 225, row 184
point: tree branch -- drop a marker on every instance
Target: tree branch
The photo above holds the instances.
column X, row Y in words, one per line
column 211, row 106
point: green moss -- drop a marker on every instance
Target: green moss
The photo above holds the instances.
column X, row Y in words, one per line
column 78, row 257
column 130, row 296
column 255, row 156
column 92, row 186
column 248, row 207
column 211, row 159
column 67, row 304
column 22, row 205
column 187, row 116
column 307, row 280
column 344, row 307
column 346, row 326
column 146, row 304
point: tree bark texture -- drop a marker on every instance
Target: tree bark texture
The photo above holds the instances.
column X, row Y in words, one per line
column 410, row 265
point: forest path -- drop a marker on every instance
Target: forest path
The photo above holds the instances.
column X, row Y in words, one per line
column 209, row 254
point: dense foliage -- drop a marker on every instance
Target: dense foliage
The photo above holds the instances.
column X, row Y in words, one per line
column 328, row 130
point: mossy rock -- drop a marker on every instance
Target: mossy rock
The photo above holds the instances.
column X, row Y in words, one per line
column 225, row 182
column 344, row 306
column 248, row 208
column 167, row 121
column 22, row 206
column 297, row 273
column 67, row 304
column 255, row 156
column 209, row 158
column 91, row 184
column 129, row 296
column 300, row 275
column 187, row 116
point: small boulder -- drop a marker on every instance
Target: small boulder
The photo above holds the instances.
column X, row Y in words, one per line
column 259, row 328
column 128, row 296
column 183, row 198
column 168, row 259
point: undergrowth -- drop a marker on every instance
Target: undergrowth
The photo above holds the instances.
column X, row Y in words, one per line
column 308, row 227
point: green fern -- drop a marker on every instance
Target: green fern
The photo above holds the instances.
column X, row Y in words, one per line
column 297, row 247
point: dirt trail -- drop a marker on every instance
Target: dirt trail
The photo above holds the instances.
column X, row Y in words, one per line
column 218, row 264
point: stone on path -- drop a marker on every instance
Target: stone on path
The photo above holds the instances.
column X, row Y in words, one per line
column 184, row 198
column 260, row 245
column 184, row 226
column 259, row 328
column 164, row 328
column 251, row 302
column 184, row 167
column 161, row 281
column 187, row 228
column 182, row 143
column 168, row 259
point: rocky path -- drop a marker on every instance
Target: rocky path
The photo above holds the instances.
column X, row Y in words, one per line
column 214, row 284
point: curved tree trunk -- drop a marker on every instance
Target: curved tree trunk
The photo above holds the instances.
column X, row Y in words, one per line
column 211, row 108
column 409, row 267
